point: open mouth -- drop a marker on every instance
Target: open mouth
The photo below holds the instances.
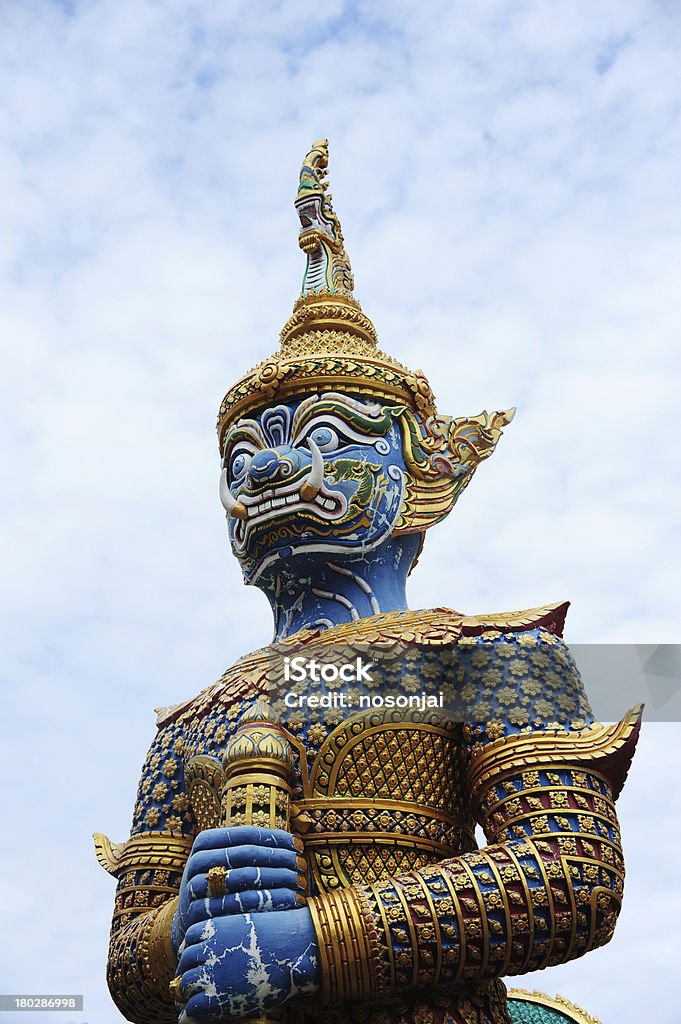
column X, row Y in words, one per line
column 286, row 501
column 308, row 495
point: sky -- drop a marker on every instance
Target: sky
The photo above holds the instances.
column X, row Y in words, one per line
column 506, row 174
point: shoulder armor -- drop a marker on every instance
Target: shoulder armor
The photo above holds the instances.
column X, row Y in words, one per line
column 607, row 749
column 435, row 626
column 550, row 617
column 142, row 851
column 421, row 626
column 431, row 626
column 243, row 680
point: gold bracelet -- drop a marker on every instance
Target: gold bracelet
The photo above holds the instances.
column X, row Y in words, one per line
column 346, row 949
column 159, row 955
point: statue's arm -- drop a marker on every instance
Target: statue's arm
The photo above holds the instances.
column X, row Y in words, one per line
column 547, row 889
column 148, row 867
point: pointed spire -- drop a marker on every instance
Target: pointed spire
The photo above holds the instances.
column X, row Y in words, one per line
column 327, row 269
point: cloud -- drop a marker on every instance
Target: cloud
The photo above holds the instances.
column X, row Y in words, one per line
column 507, row 182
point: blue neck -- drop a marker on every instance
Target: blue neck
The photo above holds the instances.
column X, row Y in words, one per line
column 323, row 591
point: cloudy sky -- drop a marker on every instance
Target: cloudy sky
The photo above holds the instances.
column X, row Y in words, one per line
column 507, row 178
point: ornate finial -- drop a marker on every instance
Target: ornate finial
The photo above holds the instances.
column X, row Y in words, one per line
column 258, row 764
column 258, row 711
column 258, row 736
column 321, row 238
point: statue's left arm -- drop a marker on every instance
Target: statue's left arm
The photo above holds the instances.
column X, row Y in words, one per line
column 148, row 868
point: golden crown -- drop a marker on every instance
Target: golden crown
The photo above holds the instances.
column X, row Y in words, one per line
column 328, row 342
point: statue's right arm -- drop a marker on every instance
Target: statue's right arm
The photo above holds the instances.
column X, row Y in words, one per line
column 148, row 868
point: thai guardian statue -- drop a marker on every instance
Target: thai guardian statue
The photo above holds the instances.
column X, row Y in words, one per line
column 295, row 858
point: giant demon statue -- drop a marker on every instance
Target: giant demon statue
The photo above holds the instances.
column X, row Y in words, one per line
column 320, row 863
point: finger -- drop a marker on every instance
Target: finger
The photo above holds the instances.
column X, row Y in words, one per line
column 201, row 1007
column 244, row 856
column 181, row 987
column 195, row 950
column 197, row 939
column 249, row 902
column 191, row 980
column 240, row 879
column 192, row 956
column 246, row 835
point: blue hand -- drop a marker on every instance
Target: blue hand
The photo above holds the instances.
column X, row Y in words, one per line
column 234, row 966
column 264, row 871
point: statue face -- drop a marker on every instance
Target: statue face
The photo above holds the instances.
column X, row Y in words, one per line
column 323, row 474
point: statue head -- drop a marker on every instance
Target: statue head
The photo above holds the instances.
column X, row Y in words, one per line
column 331, row 446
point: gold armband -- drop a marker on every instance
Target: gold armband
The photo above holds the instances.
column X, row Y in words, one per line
column 348, row 946
column 607, row 750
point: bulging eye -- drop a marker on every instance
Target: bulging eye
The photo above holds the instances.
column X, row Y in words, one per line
column 325, row 438
column 239, row 464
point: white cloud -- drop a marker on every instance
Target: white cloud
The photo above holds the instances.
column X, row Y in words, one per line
column 507, row 181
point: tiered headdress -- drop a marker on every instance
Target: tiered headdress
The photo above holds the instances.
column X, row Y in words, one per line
column 330, row 344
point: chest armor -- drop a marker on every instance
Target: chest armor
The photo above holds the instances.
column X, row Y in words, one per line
column 376, row 792
column 384, row 796
column 383, row 793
